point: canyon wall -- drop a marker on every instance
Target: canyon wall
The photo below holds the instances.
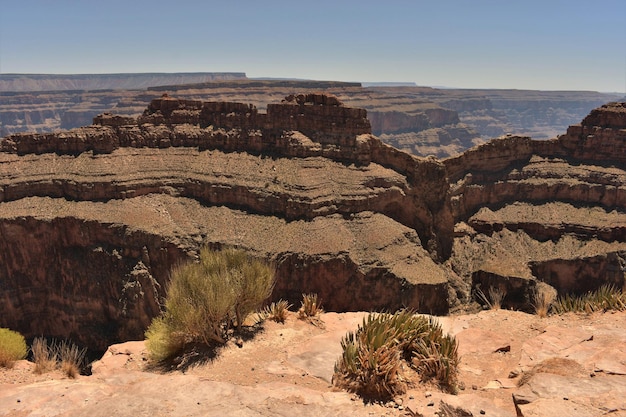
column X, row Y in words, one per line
column 91, row 219
column 303, row 184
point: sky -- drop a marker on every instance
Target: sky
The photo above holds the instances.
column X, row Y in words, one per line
column 529, row 44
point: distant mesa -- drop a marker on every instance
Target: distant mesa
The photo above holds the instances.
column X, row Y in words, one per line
column 61, row 82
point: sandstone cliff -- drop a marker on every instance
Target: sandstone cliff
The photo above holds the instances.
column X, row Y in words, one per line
column 92, row 219
column 560, row 205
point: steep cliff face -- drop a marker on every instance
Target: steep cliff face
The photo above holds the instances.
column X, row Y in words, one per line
column 571, row 187
column 304, row 184
column 92, row 219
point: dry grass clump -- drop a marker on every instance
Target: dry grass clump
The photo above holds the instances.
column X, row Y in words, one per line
column 277, row 311
column 373, row 356
column 605, row 298
column 71, row 358
column 494, row 299
column 543, row 297
column 12, row 347
column 206, row 299
column 44, row 355
column 65, row 355
column 311, row 306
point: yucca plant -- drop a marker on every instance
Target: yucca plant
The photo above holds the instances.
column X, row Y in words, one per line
column 436, row 357
column 277, row 311
column 371, row 360
column 311, row 306
column 605, row 298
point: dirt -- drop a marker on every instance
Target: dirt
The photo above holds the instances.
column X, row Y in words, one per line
column 285, row 369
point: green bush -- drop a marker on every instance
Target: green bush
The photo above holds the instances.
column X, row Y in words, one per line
column 206, row 298
column 12, row 347
column 371, row 361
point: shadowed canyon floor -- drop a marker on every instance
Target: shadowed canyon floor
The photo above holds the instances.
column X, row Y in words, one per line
column 571, row 365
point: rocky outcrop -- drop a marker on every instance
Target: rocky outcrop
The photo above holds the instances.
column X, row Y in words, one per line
column 303, row 184
column 573, row 186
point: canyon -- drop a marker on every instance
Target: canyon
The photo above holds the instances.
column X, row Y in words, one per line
column 93, row 218
column 420, row 120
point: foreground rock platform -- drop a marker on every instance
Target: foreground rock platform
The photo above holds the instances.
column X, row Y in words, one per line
column 512, row 364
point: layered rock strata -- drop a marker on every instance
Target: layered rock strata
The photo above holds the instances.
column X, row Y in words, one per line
column 570, row 187
column 92, row 219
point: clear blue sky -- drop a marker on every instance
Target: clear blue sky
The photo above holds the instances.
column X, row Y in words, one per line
column 525, row 44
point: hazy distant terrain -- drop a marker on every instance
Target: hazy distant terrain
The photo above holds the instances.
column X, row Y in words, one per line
column 420, row 120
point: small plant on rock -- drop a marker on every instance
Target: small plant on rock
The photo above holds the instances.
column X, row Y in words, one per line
column 372, row 357
column 605, row 298
column 12, row 347
column 543, row 297
column 494, row 299
column 311, row 306
column 277, row 311
column 71, row 358
column 44, row 355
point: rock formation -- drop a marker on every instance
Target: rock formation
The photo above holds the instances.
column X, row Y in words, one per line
column 96, row 216
column 560, row 205
column 92, row 219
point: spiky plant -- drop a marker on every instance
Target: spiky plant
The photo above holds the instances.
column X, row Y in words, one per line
column 372, row 357
column 605, row 298
column 311, row 306
column 71, row 358
column 543, row 297
column 494, row 299
column 277, row 311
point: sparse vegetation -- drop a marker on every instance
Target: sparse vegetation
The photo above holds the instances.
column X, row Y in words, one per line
column 207, row 298
column 311, row 306
column 495, row 298
column 65, row 355
column 44, row 355
column 372, row 360
column 71, row 358
column 12, row 347
column 277, row 311
column 605, row 298
column 543, row 297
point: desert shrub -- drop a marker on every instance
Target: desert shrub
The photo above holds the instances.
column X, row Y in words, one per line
column 277, row 311
column 71, row 358
column 12, row 347
column 372, row 356
column 44, row 355
column 605, row 298
column 205, row 298
column 311, row 306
